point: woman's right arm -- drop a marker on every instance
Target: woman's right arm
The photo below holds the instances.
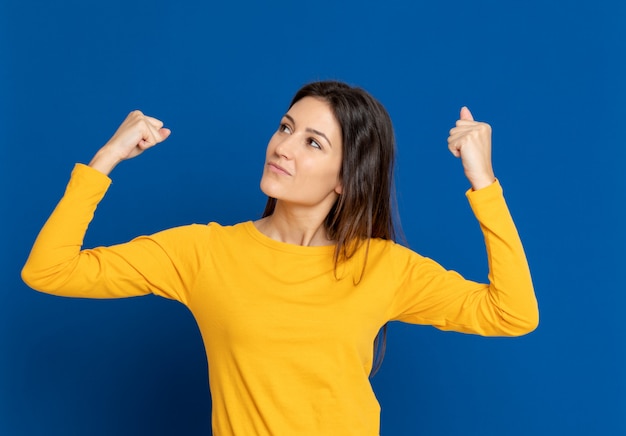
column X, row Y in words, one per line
column 57, row 264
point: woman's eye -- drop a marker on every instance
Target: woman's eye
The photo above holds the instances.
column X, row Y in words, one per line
column 314, row 143
column 284, row 128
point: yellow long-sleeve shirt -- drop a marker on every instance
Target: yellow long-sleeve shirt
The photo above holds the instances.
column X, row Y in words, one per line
column 288, row 340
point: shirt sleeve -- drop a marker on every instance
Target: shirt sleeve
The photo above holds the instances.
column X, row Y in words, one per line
column 506, row 306
column 164, row 263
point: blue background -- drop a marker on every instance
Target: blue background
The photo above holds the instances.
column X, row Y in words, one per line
column 547, row 75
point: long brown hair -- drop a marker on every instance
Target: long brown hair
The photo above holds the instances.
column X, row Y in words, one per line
column 365, row 208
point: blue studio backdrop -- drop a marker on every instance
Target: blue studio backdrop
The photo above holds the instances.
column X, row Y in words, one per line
column 548, row 76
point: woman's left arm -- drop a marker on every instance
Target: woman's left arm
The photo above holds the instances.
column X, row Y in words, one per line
column 431, row 295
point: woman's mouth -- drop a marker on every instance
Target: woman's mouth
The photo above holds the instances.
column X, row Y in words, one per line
column 278, row 169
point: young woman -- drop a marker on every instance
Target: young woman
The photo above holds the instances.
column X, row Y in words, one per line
column 289, row 305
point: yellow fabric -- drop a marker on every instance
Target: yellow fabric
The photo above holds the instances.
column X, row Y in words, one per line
column 289, row 343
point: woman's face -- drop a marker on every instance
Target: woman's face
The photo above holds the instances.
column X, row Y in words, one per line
column 303, row 157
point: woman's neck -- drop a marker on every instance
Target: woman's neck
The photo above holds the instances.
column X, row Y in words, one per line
column 294, row 226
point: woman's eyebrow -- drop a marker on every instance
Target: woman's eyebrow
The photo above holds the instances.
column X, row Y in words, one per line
column 308, row 129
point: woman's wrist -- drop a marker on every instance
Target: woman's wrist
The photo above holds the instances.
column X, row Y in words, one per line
column 483, row 182
column 104, row 161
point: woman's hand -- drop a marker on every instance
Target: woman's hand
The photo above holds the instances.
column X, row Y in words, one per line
column 137, row 133
column 471, row 141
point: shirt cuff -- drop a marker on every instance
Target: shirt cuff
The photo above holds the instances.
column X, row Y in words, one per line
column 85, row 176
column 488, row 198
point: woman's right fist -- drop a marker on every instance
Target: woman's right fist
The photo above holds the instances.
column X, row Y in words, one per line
column 137, row 133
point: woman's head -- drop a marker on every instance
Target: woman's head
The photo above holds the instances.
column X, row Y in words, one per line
column 303, row 159
column 363, row 208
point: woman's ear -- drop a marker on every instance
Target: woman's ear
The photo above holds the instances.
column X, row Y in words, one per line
column 339, row 188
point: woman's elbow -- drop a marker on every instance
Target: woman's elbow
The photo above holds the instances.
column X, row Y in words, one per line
column 525, row 324
column 32, row 276
column 41, row 279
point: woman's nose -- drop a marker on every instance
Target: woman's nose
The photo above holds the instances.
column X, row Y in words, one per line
column 285, row 147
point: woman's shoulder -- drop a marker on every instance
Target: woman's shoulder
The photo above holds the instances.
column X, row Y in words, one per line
column 197, row 232
column 197, row 238
column 211, row 228
column 217, row 231
column 386, row 252
column 388, row 245
column 224, row 229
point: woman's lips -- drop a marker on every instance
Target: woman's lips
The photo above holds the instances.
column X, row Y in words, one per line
column 278, row 169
